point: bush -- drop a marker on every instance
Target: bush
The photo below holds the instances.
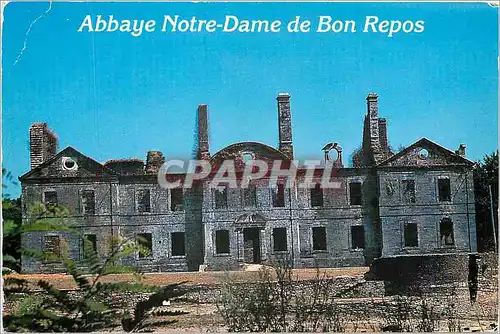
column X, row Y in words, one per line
column 278, row 302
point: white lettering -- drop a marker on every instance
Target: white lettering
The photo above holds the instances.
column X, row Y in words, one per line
column 227, row 167
column 230, row 19
column 289, row 173
column 87, row 22
column 162, row 174
column 197, row 170
column 252, row 173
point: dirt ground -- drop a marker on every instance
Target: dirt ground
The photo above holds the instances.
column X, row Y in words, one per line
column 63, row 281
column 204, row 317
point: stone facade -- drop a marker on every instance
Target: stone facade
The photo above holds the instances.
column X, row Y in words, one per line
column 419, row 201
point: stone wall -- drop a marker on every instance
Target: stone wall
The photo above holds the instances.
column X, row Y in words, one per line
column 412, row 274
column 116, row 215
column 365, row 303
column 337, row 215
column 426, row 211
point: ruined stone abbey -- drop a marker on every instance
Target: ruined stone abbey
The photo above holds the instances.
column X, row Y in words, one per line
column 419, row 201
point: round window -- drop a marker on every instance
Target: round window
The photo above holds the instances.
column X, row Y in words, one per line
column 247, row 156
column 423, row 154
column 333, row 154
column 69, row 163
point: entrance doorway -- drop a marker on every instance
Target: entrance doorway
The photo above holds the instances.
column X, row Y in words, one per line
column 251, row 240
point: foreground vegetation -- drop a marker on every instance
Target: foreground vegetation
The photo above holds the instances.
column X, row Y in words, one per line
column 279, row 302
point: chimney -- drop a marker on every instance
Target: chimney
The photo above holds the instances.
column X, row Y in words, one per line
column 373, row 123
column 43, row 144
column 382, row 132
column 203, row 144
column 372, row 102
column 285, row 124
column 461, row 150
column 154, row 160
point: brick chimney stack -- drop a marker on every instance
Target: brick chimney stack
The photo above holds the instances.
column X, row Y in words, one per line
column 382, row 133
column 285, row 124
column 43, row 144
column 154, row 160
column 373, row 124
column 203, row 140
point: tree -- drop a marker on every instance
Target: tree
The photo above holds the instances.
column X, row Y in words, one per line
column 486, row 174
column 11, row 224
column 11, row 227
column 92, row 307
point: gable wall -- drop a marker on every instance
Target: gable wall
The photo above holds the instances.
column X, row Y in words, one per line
column 427, row 211
column 117, row 215
column 68, row 195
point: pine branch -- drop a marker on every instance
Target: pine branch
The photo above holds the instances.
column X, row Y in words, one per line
column 145, row 308
column 81, row 281
column 61, row 297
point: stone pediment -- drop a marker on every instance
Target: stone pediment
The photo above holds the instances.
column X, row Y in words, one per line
column 69, row 163
column 244, row 151
column 425, row 153
column 250, row 220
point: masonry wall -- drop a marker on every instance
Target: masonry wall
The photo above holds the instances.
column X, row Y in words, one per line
column 337, row 216
column 420, row 273
column 427, row 212
column 68, row 196
column 227, row 219
column 116, row 215
column 161, row 222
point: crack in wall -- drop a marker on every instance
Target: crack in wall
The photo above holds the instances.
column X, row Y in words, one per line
column 25, row 44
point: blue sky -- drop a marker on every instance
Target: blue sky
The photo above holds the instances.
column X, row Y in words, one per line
column 111, row 95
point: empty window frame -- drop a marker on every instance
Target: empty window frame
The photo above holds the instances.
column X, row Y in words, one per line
column 176, row 199
column 222, row 242
column 145, row 243
column 88, row 202
column 355, row 193
column 250, row 196
column 319, row 238
column 143, row 200
column 50, row 198
column 317, row 196
column 278, row 195
column 408, row 191
column 178, row 244
column 357, row 237
column 89, row 244
column 279, row 239
column 446, row 232
column 444, row 190
column 411, row 235
column 220, row 198
column 52, row 245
